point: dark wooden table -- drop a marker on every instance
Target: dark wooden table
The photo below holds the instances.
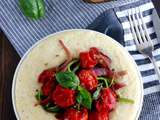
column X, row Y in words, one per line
column 9, row 60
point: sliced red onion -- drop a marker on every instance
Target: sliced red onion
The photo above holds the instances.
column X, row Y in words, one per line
column 117, row 86
column 119, row 74
column 63, row 67
column 100, row 71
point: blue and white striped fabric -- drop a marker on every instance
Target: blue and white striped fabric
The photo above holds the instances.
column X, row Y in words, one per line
column 67, row 14
column 60, row 15
column 150, row 79
column 151, row 106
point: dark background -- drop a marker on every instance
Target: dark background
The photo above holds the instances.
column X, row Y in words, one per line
column 8, row 62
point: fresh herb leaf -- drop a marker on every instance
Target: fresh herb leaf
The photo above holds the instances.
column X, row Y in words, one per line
column 104, row 79
column 70, row 64
column 97, row 92
column 53, row 109
column 67, row 79
column 125, row 100
column 34, row 9
column 38, row 95
column 84, row 97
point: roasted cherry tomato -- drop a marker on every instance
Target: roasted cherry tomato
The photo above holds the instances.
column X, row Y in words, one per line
column 86, row 61
column 48, row 87
column 107, row 100
column 46, row 75
column 73, row 114
column 94, row 52
column 99, row 115
column 100, row 58
column 88, row 79
column 63, row 97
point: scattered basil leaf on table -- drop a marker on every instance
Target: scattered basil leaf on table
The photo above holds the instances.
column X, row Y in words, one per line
column 84, row 97
column 67, row 79
column 34, row 9
column 97, row 92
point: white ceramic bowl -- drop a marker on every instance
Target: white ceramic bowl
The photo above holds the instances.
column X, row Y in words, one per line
column 19, row 98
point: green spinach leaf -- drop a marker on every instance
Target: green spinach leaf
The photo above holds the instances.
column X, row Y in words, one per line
column 97, row 92
column 125, row 100
column 34, row 9
column 38, row 95
column 105, row 80
column 67, row 79
column 70, row 65
column 84, row 97
column 53, row 109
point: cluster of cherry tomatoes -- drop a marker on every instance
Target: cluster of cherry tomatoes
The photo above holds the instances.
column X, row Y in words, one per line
column 103, row 95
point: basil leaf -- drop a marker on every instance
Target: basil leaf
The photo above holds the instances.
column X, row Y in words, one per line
column 38, row 95
column 125, row 100
column 34, row 9
column 97, row 92
column 53, row 109
column 84, row 97
column 67, row 79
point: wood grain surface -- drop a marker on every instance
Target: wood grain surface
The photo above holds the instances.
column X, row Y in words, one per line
column 8, row 62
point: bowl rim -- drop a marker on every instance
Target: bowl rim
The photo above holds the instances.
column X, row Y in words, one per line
column 69, row 30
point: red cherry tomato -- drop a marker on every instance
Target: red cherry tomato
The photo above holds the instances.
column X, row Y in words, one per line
column 86, row 61
column 48, row 80
column 46, row 75
column 63, row 97
column 94, row 52
column 72, row 114
column 88, row 79
column 48, row 87
column 107, row 100
column 101, row 58
column 99, row 115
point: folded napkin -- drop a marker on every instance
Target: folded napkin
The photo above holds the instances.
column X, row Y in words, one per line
column 68, row 14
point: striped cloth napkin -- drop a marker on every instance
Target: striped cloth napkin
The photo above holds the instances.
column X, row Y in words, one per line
column 68, row 14
column 151, row 105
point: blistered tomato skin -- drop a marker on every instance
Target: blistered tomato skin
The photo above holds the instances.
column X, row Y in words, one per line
column 107, row 100
column 99, row 115
column 99, row 57
column 73, row 114
column 46, row 75
column 88, row 79
column 63, row 97
column 48, row 81
column 86, row 61
column 48, row 87
column 94, row 52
